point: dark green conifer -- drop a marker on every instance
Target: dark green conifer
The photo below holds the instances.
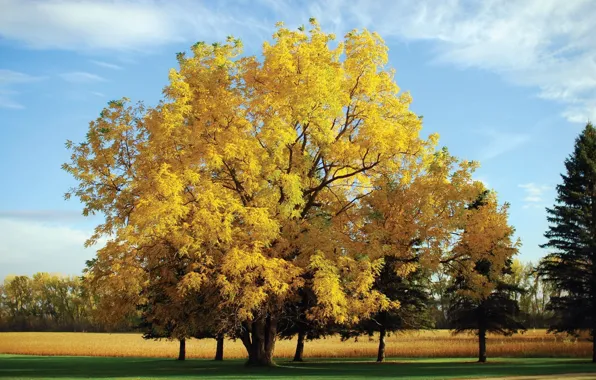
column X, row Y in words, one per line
column 570, row 267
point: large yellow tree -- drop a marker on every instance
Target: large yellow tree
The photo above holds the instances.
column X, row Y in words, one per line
column 255, row 170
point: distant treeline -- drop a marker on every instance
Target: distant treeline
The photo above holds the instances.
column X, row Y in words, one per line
column 50, row 302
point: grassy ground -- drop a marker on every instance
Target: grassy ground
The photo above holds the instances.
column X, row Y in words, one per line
column 37, row 367
column 436, row 343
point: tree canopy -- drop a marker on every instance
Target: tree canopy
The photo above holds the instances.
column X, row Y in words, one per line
column 297, row 173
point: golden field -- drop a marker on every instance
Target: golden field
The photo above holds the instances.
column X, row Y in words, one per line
column 435, row 343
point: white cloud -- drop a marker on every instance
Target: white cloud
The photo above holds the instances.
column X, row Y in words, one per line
column 41, row 215
column 89, row 24
column 534, row 195
column 498, row 143
column 32, row 246
column 81, row 77
column 545, row 44
column 8, row 79
column 106, row 65
column 14, row 77
column 115, row 25
column 7, row 101
column 98, row 94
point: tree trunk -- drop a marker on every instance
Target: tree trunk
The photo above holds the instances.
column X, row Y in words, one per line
column 182, row 350
column 259, row 341
column 220, row 347
column 482, row 345
column 381, row 352
column 299, row 346
column 593, row 345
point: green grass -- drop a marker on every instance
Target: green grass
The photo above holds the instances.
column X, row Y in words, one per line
column 48, row 367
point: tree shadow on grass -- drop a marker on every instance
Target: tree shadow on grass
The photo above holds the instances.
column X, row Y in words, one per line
column 37, row 367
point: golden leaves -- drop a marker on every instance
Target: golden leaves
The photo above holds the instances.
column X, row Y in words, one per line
column 485, row 248
column 331, row 300
column 254, row 176
column 247, row 279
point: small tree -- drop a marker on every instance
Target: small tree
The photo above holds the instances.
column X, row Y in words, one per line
column 163, row 313
column 171, row 310
column 571, row 266
column 481, row 300
column 496, row 313
column 411, row 291
column 297, row 323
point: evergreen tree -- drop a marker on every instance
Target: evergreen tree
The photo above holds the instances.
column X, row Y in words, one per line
column 571, row 265
column 164, row 315
column 497, row 313
column 411, row 291
column 295, row 322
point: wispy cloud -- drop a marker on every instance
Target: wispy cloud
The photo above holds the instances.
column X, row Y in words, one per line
column 106, row 65
column 98, row 94
column 81, row 77
column 41, row 215
column 7, row 101
column 9, row 79
column 548, row 45
column 534, row 195
column 495, row 143
column 545, row 44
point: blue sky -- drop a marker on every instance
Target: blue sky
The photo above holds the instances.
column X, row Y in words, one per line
column 507, row 83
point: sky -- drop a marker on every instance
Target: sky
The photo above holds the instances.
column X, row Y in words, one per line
column 507, row 83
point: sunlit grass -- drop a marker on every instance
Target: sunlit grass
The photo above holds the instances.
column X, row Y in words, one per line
column 72, row 367
column 436, row 343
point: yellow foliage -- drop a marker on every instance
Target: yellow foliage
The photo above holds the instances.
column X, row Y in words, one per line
column 256, row 177
column 418, row 208
column 486, row 236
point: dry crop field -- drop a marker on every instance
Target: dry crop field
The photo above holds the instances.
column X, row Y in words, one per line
column 435, row 343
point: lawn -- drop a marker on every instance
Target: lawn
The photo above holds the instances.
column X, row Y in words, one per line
column 61, row 367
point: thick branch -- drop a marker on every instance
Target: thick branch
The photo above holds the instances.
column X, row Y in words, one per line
column 237, row 184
